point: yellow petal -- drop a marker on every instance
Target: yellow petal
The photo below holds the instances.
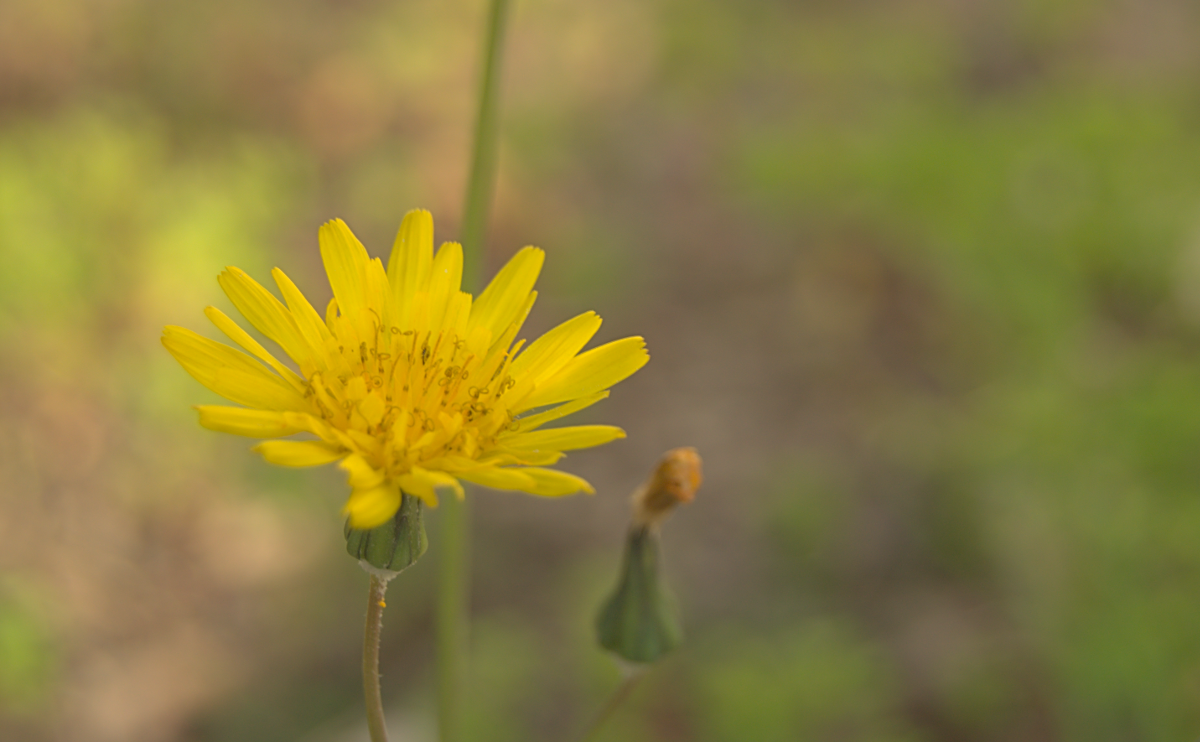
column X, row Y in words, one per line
column 365, row 442
column 299, row 453
column 378, row 294
column 345, row 261
column 242, row 338
column 372, row 408
column 424, row 483
column 588, row 373
column 451, row 464
column 331, row 314
column 533, row 422
column 511, row 457
column 479, row 339
column 458, row 311
column 556, row 348
column 361, row 474
column 417, row 312
column 306, row 423
column 410, row 262
column 418, row 487
column 268, row 315
column 502, row 343
column 444, row 480
column 230, row 373
column 372, row 507
column 563, row 439
column 256, row 389
column 445, row 279
column 499, row 303
column 500, row 479
column 243, row 421
column 314, row 330
column 554, row 483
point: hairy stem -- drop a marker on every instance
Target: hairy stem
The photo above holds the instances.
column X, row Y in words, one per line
column 452, row 619
column 370, row 663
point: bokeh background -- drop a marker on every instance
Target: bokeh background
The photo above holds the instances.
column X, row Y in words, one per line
column 920, row 279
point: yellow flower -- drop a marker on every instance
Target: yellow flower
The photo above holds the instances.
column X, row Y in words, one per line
column 407, row 381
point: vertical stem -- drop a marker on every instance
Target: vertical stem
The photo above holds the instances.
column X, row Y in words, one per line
column 452, row 618
column 370, row 663
column 453, row 578
column 482, row 178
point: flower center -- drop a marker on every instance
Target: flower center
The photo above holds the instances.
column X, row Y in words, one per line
column 406, row 397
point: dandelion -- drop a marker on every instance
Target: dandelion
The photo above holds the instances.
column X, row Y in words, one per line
column 409, row 382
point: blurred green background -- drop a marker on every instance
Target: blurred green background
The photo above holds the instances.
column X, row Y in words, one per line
column 920, row 279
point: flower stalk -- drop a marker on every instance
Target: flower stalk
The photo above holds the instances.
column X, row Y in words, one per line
column 453, row 587
column 592, row 733
column 454, row 579
column 481, row 180
column 638, row 623
column 370, row 663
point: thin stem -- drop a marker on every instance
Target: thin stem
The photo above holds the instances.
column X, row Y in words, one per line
column 482, row 178
column 453, row 579
column 370, row 663
column 614, row 701
column 452, row 618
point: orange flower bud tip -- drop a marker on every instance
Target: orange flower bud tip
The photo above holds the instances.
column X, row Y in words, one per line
column 673, row 483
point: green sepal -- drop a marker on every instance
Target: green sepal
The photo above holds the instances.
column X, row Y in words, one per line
column 639, row 622
column 395, row 545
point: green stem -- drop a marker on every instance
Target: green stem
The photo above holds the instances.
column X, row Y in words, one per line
column 452, row 618
column 614, row 701
column 482, row 179
column 370, row 662
column 453, row 579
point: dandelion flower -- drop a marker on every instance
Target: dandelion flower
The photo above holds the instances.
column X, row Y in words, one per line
column 410, row 383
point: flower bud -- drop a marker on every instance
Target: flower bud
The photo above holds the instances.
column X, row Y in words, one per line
column 674, row 482
column 639, row 622
column 395, row 545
